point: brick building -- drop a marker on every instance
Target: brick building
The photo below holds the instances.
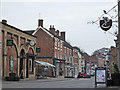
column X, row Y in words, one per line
column 76, row 51
column 68, row 56
column 50, row 43
column 18, row 54
column 112, row 59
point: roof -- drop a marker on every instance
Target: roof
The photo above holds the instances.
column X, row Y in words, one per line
column 86, row 57
column 93, row 58
column 67, row 45
column 52, row 33
column 17, row 29
column 30, row 31
column 75, row 47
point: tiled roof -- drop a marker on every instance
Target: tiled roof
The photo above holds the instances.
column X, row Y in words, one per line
column 17, row 29
column 30, row 31
column 67, row 45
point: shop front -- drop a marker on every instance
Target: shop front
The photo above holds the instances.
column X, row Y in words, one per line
column 60, row 67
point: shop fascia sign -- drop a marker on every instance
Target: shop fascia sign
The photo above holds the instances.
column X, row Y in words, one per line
column 105, row 22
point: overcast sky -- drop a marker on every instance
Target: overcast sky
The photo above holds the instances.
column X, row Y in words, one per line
column 66, row 15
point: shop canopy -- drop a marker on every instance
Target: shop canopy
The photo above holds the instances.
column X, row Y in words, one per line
column 44, row 63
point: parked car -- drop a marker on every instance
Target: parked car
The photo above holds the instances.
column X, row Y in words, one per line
column 88, row 75
column 80, row 75
column 83, row 75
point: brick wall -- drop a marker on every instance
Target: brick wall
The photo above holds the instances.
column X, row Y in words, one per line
column 45, row 43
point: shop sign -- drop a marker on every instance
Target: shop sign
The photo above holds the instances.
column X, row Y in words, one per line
column 37, row 50
column 105, row 23
column 9, row 42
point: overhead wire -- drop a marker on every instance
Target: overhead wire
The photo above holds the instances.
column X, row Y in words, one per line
column 104, row 14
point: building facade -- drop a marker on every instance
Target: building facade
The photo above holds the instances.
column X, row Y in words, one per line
column 76, row 60
column 68, row 56
column 17, row 51
column 50, row 43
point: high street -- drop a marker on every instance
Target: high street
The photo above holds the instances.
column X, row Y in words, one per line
column 51, row 83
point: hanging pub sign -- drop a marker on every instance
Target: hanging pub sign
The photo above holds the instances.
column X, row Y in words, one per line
column 105, row 22
column 9, row 42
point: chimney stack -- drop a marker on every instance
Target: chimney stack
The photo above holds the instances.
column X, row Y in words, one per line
column 4, row 21
column 40, row 22
column 63, row 36
column 52, row 29
column 57, row 32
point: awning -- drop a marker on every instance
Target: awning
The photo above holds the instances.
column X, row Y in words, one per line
column 44, row 63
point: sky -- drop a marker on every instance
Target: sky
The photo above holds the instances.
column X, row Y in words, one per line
column 70, row 16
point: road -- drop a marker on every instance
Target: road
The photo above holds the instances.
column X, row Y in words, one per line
column 52, row 83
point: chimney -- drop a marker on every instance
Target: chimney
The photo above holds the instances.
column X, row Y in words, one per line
column 57, row 32
column 40, row 22
column 4, row 21
column 52, row 29
column 63, row 36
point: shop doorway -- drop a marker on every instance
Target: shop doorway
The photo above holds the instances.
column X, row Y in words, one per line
column 22, row 54
column 30, row 63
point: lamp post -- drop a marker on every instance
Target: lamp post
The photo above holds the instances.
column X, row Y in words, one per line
column 119, row 34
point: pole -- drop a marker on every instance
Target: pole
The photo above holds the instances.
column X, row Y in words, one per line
column 119, row 34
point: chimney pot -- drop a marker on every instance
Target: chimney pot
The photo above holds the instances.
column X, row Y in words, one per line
column 52, row 29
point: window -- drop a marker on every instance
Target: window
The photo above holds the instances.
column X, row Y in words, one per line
column 70, row 52
column 55, row 53
column 55, row 42
column 58, row 53
column 64, row 57
column 30, row 65
column 67, row 59
column 61, row 44
column 65, row 49
column 61, row 55
column 58, row 43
